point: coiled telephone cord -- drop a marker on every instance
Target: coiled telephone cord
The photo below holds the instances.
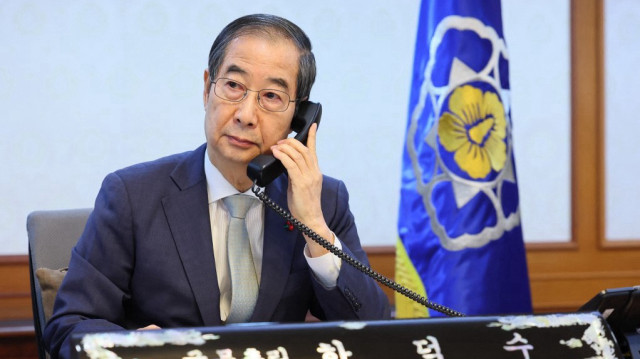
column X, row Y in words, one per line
column 350, row 260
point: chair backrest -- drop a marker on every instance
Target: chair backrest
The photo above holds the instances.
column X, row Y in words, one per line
column 52, row 235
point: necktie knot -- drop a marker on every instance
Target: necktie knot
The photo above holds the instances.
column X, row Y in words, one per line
column 238, row 205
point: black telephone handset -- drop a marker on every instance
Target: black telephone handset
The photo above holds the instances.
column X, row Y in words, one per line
column 265, row 168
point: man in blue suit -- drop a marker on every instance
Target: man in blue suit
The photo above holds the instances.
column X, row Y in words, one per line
column 154, row 251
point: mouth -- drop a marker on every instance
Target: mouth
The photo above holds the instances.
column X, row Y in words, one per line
column 240, row 142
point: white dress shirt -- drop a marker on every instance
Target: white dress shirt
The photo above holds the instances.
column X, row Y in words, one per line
column 325, row 268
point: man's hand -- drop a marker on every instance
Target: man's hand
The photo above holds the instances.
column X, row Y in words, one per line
column 305, row 186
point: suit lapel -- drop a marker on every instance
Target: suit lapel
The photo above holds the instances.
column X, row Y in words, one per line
column 187, row 213
column 277, row 254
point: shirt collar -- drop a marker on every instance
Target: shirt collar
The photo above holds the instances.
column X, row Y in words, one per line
column 217, row 186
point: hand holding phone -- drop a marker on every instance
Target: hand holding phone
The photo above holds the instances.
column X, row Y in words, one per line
column 265, row 168
column 305, row 179
column 304, row 187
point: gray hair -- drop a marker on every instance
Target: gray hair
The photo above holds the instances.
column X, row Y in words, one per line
column 270, row 25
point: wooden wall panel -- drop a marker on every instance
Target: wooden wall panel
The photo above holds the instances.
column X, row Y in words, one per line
column 382, row 260
column 17, row 337
column 562, row 277
column 562, row 289
column 15, row 290
column 558, row 290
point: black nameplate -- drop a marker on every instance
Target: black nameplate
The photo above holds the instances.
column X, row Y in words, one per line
column 576, row 335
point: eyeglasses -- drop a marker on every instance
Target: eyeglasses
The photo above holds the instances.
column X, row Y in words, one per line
column 234, row 91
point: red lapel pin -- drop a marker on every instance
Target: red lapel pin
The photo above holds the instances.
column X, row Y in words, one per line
column 288, row 226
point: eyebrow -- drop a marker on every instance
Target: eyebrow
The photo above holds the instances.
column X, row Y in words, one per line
column 275, row 80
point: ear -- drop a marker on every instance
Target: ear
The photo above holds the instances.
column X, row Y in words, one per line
column 207, row 87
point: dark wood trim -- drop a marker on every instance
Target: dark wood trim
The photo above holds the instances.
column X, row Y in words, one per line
column 12, row 295
column 585, row 93
column 600, row 191
column 621, row 244
column 373, row 250
column 552, row 246
column 11, row 328
column 14, row 259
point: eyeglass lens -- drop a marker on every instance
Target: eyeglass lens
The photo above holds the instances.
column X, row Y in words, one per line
column 269, row 99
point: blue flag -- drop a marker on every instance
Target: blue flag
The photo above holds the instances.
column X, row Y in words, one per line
column 460, row 238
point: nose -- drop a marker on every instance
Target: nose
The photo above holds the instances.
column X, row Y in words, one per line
column 247, row 110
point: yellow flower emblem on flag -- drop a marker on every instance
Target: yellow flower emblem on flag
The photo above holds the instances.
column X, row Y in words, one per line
column 475, row 128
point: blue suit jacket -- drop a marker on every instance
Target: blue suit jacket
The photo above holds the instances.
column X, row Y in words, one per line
column 146, row 257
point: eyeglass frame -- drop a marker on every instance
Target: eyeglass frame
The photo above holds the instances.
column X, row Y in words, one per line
column 246, row 92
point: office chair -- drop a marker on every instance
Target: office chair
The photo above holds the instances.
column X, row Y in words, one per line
column 52, row 235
